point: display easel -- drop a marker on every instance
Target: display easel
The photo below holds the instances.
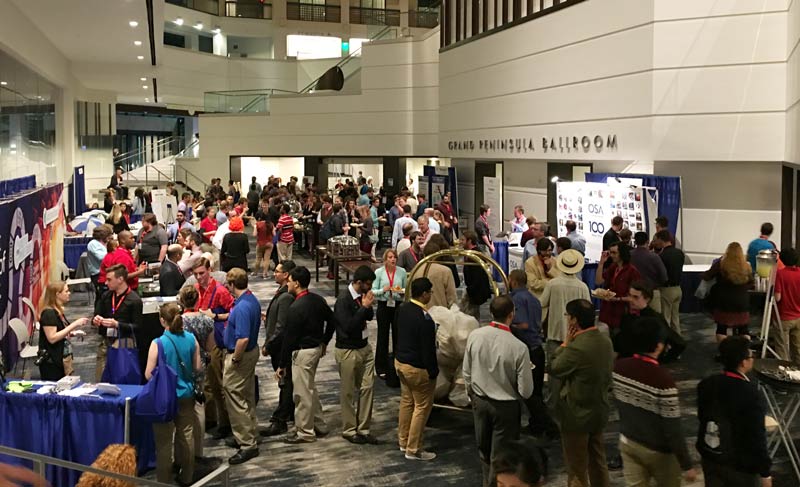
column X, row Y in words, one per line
column 770, row 313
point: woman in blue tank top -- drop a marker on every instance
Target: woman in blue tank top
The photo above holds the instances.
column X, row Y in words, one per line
column 182, row 354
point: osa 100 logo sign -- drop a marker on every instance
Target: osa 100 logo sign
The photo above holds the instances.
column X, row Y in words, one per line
column 597, row 228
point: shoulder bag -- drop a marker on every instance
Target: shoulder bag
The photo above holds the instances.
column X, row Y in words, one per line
column 158, row 401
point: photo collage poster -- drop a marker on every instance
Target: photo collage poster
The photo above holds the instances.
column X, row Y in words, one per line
column 592, row 206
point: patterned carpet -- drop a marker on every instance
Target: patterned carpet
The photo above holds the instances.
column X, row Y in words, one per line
column 332, row 461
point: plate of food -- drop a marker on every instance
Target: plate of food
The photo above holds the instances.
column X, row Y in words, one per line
column 398, row 289
column 604, row 294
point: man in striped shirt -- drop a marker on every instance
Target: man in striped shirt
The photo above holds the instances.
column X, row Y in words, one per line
column 286, row 228
column 651, row 440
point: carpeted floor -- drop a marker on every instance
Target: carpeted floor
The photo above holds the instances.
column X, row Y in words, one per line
column 332, row 461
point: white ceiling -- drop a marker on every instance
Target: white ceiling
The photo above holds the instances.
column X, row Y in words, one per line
column 92, row 30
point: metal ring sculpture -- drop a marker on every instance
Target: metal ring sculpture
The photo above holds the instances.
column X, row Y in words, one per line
column 471, row 257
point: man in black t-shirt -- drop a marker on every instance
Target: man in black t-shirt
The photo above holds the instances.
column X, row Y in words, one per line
column 671, row 293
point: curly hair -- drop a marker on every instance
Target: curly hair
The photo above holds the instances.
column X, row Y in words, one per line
column 116, row 458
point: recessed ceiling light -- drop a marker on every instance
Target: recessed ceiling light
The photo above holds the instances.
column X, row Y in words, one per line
column 142, row 79
column 137, row 43
column 178, row 21
column 133, row 23
column 139, row 57
column 144, row 87
column 198, row 26
column 3, row 83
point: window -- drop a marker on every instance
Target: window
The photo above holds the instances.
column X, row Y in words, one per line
column 379, row 4
column 174, row 40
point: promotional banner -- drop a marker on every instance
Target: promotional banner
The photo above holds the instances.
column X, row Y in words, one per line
column 423, row 186
column 491, row 197
column 31, row 249
column 592, row 206
column 164, row 206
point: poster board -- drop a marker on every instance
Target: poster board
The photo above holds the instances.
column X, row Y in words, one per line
column 31, row 252
column 592, row 206
column 423, row 185
column 164, row 206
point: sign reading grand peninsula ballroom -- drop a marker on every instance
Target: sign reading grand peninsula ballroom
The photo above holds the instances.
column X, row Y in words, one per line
column 528, row 145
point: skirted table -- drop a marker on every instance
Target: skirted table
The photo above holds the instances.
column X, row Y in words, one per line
column 76, row 429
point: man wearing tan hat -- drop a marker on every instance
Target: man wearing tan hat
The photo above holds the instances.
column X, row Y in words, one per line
column 557, row 293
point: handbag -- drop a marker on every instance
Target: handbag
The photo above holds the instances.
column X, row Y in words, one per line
column 122, row 363
column 158, row 401
column 704, row 288
column 197, row 389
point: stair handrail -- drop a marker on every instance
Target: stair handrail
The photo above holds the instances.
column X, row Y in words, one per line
column 160, row 142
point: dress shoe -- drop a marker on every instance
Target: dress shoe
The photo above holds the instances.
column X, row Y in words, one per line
column 355, row 439
column 614, row 463
column 232, row 443
column 243, row 456
column 222, row 433
column 369, row 439
column 320, row 433
column 296, row 440
column 274, row 429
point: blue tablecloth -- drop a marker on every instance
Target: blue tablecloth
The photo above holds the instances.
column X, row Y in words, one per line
column 75, row 429
column 500, row 256
column 73, row 248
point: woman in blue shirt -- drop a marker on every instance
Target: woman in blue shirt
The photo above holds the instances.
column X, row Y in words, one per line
column 182, row 354
column 388, row 288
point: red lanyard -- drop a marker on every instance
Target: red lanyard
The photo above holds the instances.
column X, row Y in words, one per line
column 500, row 326
column 301, row 295
column 485, row 220
column 411, row 251
column 391, row 278
column 735, row 376
column 115, row 305
column 144, row 234
column 645, row 358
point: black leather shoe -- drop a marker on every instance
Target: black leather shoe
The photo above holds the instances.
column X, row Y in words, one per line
column 222, row 433
column 243, row 456
column 370, row 440
column 614, row 463
column 274, row 429
column 232, row 443
column 320, row 433
column 355, row 439
column 296, row 440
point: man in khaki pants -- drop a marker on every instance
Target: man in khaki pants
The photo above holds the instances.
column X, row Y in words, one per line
column 309, row 329
column 671, row 293
column 417, row 368
column 238, row 378
column 355, row 356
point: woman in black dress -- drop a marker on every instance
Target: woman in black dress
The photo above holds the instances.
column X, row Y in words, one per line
column 55, row 331
column 235, row 246
column 117, row 219
column 108, row 200
column 728, row 298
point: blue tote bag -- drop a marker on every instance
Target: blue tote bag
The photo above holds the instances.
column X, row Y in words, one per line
column 122, row 364
column 158, row 401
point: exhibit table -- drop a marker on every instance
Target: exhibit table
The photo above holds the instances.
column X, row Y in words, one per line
column 783, row 402
column 76, row 429
column 73, row 248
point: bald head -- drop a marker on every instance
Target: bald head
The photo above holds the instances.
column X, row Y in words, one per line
column 175, row 252
column 125, row 239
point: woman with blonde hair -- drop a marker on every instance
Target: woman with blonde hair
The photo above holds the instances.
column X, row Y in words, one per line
column 55, row 331
column 202, row 327
column 117, row 219
column 182, row 354
column 728, row 297
column 388, row 286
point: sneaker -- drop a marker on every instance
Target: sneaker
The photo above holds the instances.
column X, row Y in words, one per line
column 402, row 449
column 296, row 440
column 421, row 455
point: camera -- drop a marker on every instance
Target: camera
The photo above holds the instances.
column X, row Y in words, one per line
column 42, row 357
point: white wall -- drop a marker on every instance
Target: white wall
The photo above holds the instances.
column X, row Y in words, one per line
column 793, row 84
column 264, row 167
column 700, row 80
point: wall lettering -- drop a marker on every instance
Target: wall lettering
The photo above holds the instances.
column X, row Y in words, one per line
column 525, row 145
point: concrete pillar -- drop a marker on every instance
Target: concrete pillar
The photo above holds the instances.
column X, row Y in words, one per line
column 345, row 18
column 314, row 166
column 279, row 12
column 405, row 7
column 394, row 175
column 279, row 44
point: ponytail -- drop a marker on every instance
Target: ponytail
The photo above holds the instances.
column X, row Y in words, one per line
column 171, row 314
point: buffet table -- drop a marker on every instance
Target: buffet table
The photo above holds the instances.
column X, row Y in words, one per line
column 76, row 429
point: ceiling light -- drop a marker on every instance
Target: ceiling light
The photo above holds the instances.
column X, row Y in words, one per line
column 178, row 21
column 3, row 83
column 554, row 179
column 147, row 100
column 137, row 43
column 142, row 79
column 139, row 57
column 144, row 87
column 133, row 23
column 198, row 26
column 217, row 31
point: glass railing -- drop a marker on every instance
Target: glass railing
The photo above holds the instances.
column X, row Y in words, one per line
column 312, row 12
column 374, row 16
column 207, row 6
column 239, row 101
column 250, row 9
column 424, row 17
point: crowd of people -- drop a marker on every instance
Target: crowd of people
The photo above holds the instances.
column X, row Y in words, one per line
column 545, row 323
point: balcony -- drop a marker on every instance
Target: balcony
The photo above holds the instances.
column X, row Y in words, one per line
column 374, row 16
column 310, row 12
column 207, row 6
column 426, row 18
column 248, row 9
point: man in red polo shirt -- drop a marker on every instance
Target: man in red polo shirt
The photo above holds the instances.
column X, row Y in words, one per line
column 123, row 255
column 215, row 302
column 787, row 294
